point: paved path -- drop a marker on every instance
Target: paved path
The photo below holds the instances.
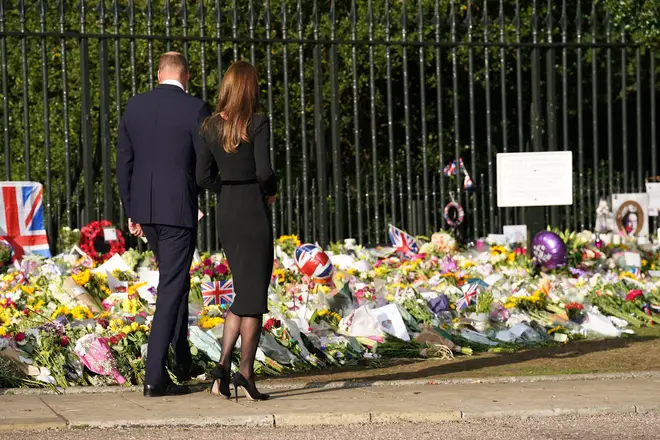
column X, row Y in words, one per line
column 571, row 427
column 306, row 407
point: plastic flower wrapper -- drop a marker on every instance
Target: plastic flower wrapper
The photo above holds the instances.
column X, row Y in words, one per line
column 97, row 357
column 272, row 349
column 341, row 350
column 288, row 334
column 206, row 342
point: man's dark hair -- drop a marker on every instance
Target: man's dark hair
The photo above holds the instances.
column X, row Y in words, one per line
column 173, row 60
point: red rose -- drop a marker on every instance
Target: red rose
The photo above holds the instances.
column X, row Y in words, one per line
column 20, row 337
column 64, row 341
column 26, row 312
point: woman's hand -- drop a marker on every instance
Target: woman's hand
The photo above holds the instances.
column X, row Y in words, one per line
column 271, row 199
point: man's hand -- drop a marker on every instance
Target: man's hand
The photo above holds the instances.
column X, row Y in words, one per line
column 271, row 199
column 135, row 228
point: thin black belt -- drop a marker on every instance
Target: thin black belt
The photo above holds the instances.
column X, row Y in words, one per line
column 239, row 182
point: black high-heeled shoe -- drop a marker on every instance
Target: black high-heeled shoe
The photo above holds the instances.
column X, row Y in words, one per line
column 250, row 389
column 220, row 385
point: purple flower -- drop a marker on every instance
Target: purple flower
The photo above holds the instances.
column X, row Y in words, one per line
column 448, row 265
column 208, row 272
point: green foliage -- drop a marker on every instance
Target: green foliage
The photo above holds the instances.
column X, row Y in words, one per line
column 639, row 18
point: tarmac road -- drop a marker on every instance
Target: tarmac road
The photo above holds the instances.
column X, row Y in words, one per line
column 601, row 427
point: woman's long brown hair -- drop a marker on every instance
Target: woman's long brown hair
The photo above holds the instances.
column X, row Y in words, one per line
column 238, row 101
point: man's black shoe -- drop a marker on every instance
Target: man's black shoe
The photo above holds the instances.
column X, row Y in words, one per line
column 165, row 390
column 187, row 374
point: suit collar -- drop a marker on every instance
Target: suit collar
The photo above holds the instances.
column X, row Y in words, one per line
column 174, row 87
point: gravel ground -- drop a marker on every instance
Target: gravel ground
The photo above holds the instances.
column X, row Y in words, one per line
column 614, row 427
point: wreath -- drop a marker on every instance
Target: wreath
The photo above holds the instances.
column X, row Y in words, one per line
column 93, row 243
column 454, row 214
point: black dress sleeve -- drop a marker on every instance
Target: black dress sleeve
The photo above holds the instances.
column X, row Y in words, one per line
column 261, row 141
column 206, row 169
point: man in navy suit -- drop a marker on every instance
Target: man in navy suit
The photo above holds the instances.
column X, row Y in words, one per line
column 157, row 137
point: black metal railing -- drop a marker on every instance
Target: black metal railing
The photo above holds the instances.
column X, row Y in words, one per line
column 369, row 100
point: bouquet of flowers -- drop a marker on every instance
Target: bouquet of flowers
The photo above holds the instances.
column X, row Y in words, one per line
column 95, row 353
column 415, row 305
column 288, row 244
column 327, row 316
column 575, row 312
column 208, row 270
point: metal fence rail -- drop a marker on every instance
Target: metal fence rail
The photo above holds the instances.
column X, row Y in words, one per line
column 369, row 100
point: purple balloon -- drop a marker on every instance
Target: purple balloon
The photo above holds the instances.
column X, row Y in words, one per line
column 549, row 250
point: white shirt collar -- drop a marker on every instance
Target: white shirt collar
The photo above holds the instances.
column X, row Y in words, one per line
column 173, row 82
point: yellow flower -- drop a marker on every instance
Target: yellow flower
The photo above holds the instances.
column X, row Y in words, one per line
column 468, row 264
column 60, row 311
column 3, row 331
column 135, row 326
column 352, row 272
column 116, row 324
column 82, row 278
column 497, row 250
column 628, row 275
column 322, row 289
column 28, row 289
column 644, row 263
column 511, row 257
column 132, row 290
column 555, row 329
column 81, row 312
column 207, row 322
column 380, row 271
column 129, row 306
column 126, row 329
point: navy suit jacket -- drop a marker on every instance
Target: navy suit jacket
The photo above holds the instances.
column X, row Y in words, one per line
column 157, row 138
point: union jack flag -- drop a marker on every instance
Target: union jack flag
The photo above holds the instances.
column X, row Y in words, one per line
column 22, row 218
column 469, row 296
column 218, row 293
column 403, row 243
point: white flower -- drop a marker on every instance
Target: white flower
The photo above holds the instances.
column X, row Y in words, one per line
column 45, row 376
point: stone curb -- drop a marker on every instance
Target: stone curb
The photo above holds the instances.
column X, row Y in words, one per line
column 330, row 419
column 294, row 385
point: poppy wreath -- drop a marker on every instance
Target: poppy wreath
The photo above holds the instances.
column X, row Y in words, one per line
column 454, row 214
column 92, row 241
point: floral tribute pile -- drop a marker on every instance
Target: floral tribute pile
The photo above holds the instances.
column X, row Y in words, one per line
column 84, row 320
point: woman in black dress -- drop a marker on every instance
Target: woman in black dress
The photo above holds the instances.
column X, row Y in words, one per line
column 235, row 145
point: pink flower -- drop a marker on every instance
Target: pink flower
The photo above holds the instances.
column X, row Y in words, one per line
column 20, row 337
column 208, row 272
column 221, row 269
column 208, row 262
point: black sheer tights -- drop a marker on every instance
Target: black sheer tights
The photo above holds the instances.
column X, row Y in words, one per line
column 248, row 327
